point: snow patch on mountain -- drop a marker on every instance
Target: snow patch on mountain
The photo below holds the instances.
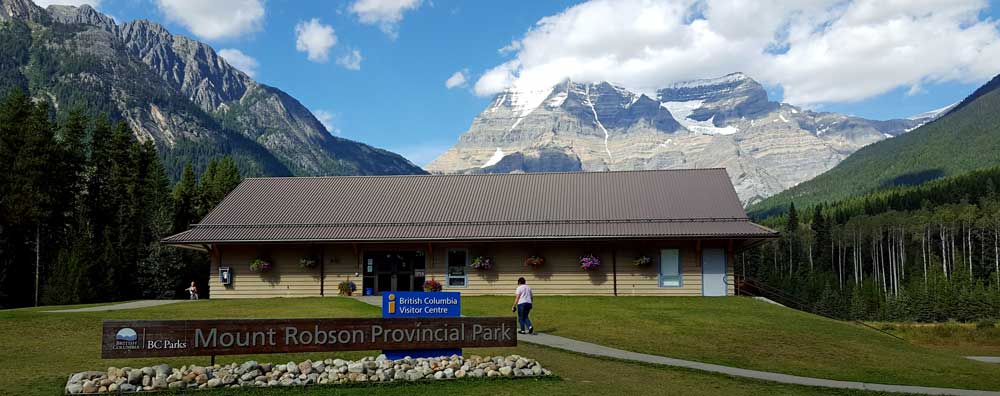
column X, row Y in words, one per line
column 597, row 120
column 497, row 156
column 524, row 102
column 681, row 110
column 709, row 82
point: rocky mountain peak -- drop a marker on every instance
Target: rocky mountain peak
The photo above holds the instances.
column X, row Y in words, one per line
column 720, row 122
column 720, row 99
column 179, row 94
column 84, row 14
column 22, row 9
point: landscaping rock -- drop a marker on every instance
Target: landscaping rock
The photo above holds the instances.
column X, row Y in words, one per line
column 329, row 371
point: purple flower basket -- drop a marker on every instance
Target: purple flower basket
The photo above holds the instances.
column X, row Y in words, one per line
column 590, row 262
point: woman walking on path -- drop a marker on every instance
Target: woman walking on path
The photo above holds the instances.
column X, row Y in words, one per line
column 522, row 305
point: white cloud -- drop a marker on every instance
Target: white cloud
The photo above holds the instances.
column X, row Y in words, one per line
column 75, row 3
column 818, row 51
column 326, row 118
column 351, row 60
column 215, row 19
column 385, row 13
column 239, row 60
column 315, row 39
column 457, row 79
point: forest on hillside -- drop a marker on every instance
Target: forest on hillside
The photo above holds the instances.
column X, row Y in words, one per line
column 925, row 253
column 961, row 141
column 83, row 206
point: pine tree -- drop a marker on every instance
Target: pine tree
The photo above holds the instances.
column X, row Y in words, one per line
column 792, row 221
column 185, row 200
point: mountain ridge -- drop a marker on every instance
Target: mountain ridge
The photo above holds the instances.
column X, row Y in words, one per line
column 963, row 139
column 201, row 107
column 726, row 122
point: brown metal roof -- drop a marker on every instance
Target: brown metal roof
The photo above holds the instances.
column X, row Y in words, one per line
column 631, row 204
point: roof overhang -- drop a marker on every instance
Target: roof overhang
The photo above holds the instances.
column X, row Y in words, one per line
column 204, row 234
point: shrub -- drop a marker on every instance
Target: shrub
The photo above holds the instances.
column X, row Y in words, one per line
column 346, row 288
column 483, row 263
column 534, row 261
column 432, row 286
column 986, row 324
column 590, row 262
column 260, row 265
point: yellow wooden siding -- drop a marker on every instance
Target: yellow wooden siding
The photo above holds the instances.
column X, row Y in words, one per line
column 561, row 274
column 287, row 278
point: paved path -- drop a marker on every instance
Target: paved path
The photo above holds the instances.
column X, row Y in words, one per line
column 128, row 305
column 598, row 350
column 371, row 300
column 985, row 359
column 587, row 348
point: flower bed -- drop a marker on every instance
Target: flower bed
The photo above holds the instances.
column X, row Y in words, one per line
column 251, row 374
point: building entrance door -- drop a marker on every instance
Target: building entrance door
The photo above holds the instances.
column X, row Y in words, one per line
column 393, row 271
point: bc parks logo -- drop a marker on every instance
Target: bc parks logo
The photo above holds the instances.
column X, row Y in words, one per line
column 127, row 339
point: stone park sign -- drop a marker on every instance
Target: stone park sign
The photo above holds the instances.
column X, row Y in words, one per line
column 145, row 338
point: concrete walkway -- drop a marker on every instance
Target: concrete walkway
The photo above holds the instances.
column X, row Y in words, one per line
column 598, row 350
column 985, row 359
column 117, row 307
column 370, row 300
column 587, row 348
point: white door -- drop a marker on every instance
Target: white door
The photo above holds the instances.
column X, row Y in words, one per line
column 713, row 272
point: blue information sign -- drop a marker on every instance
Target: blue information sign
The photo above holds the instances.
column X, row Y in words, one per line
column 421, row 305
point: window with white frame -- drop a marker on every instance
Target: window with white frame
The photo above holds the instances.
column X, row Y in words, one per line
column 670, row 268
column 457, row 267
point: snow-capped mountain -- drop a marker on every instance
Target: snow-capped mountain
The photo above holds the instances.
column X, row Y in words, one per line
column 725, row 122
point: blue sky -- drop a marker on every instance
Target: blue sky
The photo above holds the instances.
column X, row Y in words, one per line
column 396, row 97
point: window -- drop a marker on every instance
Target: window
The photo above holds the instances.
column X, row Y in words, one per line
column 670, row 268
column 458, row 261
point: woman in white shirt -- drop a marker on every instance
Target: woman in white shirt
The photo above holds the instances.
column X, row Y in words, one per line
column 522, row 305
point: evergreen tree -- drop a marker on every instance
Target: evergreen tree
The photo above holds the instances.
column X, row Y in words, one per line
column 185, row 200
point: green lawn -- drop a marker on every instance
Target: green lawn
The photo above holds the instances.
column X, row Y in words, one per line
column 746, row 333
column 40, row 350
column 963, row 339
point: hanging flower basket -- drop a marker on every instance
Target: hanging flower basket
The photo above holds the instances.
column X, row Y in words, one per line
column 432, row 286
column 534, row 261
column 346, row 288
column 260, row 265
column 482, row 263
column 590, row 262
column 308, row 262
column 642, row 261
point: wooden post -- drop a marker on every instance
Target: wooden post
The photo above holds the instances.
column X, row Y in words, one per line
column 322, row 272
column 614, row 269
column 430, row 254
column 357, row 257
